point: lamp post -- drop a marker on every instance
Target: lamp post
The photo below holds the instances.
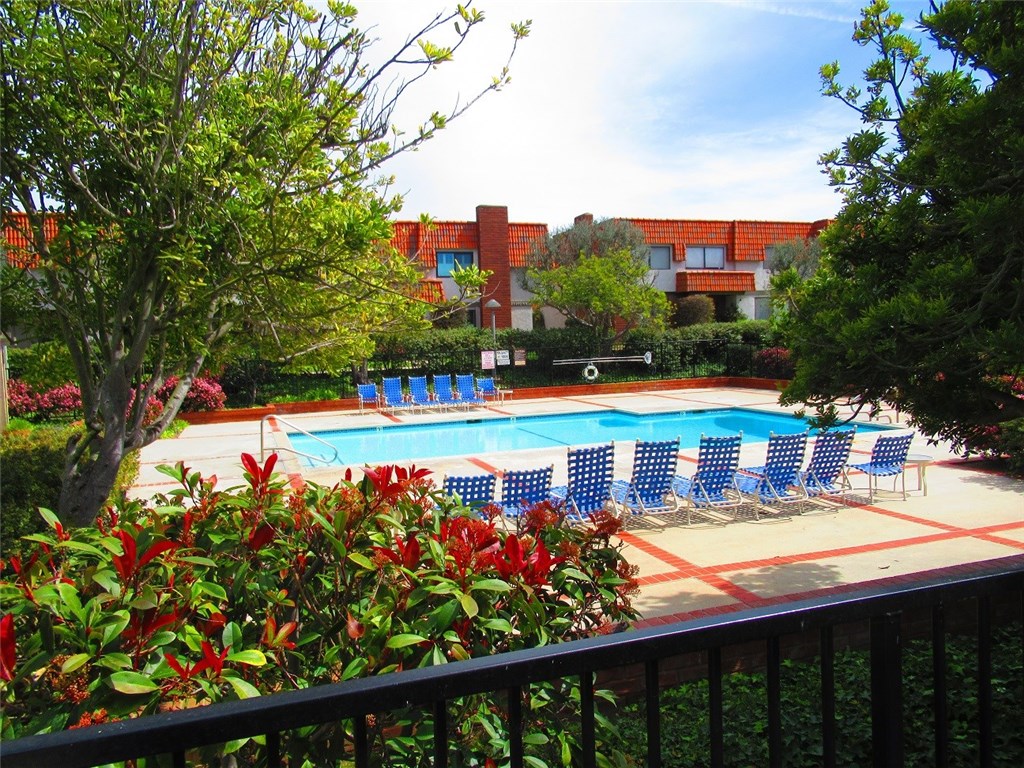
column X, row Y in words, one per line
column 494, row 306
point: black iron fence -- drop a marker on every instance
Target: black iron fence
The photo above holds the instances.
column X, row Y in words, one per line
column 176, row 733
column 531, row 366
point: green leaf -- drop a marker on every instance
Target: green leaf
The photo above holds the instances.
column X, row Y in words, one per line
column 469, row 605
column 491, row 585
column 196, row 560
column 74, row 662
column 215, row 591
column 405, row 640
column 362, row 561
column 243, row 689
column 253, row 658
column 132, row 683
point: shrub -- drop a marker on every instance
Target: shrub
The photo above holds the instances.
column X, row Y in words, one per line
column 62, row 401
column 33, row 463
column 43, row 365
column 21, row 398
column 773, row 363
column 694, row 310
column 205, row 394
column 203, row 595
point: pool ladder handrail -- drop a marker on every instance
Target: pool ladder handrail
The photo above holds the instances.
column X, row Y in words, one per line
column 297, row 428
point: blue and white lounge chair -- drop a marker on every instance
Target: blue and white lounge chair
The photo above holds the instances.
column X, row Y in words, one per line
column 418, row 393
column 650, row 487
column 466, row 386
column 826, row 471
column 486, row 388
column 591, row 471
column 473, row 491
column 888, row 459
column 778, row 481
column 713, row 485
column 443, row 391
column 367, row 394
column 522, row 488
column 394, row 398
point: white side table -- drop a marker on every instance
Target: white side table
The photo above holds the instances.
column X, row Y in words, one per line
column 921, row 462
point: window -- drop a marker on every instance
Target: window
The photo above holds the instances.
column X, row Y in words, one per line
column 660, row 257
column 705, row 257
column 447, row 261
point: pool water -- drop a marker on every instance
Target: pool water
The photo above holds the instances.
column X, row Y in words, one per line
column 472, row 437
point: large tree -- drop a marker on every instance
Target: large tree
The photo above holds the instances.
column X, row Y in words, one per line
column 597, row 274
column 209, row 165
column 919, row 302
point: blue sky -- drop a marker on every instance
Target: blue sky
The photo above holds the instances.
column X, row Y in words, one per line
column 681, row 110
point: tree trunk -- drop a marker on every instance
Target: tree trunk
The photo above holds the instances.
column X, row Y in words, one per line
column 88, row 481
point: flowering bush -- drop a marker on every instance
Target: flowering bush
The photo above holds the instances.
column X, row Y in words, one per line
column 21, row 399
column 773, row 363
column 65, row 400
column 203, row 595
column 205, row 394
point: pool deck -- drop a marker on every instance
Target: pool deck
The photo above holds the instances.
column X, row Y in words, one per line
column 970, row 517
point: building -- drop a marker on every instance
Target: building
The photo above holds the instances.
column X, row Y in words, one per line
column 723, row 259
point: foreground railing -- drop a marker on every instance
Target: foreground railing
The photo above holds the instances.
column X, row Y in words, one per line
column 177, row 732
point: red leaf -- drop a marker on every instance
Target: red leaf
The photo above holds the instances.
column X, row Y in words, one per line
column 260, row 537
column 7, row 647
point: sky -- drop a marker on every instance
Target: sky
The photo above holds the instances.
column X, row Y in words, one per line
column 679, row 109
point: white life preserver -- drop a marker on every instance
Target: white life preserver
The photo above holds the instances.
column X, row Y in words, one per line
column 590, row 372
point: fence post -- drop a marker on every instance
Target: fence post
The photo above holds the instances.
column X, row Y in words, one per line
column 886, row 691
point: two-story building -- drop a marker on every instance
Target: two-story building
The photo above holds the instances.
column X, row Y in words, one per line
column 722, row 259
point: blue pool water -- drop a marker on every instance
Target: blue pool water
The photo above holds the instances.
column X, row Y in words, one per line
column 472, row 437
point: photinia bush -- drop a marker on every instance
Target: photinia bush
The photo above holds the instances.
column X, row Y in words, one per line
column 773, row 363
column 202, row 595
column 205, row 394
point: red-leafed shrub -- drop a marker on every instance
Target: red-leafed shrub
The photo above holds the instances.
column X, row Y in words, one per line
column 205, row 394
column 773, row 363
column 21, row 399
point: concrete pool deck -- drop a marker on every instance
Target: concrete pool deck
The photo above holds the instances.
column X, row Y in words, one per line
column 970, row 516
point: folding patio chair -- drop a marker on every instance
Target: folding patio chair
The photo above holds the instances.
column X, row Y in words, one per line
column 650, row 487
column 486, row 388
column 367, row 393
column 473, row 491
column 522, row 488
column 826, row 471
column 778, row 481
column 591, row 472
column 888, row 459
column 418, row 393
column 713, row 485
column 465, row 384
column 443, row 391
column 394, row 398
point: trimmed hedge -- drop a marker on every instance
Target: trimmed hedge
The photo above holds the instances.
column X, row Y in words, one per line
column 33, row 461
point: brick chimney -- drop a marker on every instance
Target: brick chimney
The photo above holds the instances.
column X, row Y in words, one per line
column 493, row 253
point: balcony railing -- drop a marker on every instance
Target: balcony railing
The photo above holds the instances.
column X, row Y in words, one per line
column 176, row 733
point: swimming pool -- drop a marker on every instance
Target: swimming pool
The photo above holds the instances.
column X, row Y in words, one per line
column 472, row 437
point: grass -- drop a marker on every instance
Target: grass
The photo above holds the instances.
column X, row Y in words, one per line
column 685, row 723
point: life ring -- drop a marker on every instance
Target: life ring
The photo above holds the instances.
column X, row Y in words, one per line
column 590, row 372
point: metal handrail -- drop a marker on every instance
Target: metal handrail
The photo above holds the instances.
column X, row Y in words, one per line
column 297, row 428
column 644, row 358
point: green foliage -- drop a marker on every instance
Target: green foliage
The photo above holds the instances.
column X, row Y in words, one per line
column 800, row 254
column 917, row 303
column 205, row 595
column 595, row 274
column 32, row 461
column 44, row 365
column 694, row 310
column 686, row 729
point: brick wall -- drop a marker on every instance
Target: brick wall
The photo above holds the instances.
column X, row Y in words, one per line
column 493, row 252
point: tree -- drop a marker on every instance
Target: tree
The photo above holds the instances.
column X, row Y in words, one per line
column 596, row 274
column 919, row 302
column 209, row 164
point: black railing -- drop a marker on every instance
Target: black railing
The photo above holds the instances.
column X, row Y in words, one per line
column 257, row 383
column 176, row 733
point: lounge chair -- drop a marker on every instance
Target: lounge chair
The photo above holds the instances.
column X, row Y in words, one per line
column 650, row 487
column 826, row 471
column 465, row 384
column 522, row 488
column 394, row 398
column 367, row 394
column 486, row 388
column 778, row 481
column 473, row 491
column 443, row 391
column 888, row 459
column 591, row 471
column 418, row 393
column 713, row 485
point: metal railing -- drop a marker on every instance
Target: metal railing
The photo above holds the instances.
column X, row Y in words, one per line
column 333, row 457
column 177, row 732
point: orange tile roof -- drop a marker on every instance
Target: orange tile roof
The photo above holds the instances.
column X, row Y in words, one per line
column 430, row 290
column 20, row 247
column 753, row 236
column 422, row 241
column 713, row 281
column 521, row 238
